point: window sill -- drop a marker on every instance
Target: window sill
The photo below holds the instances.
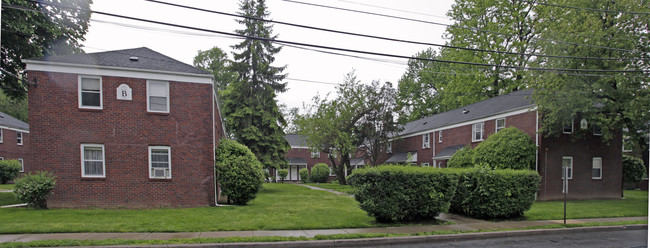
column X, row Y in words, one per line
column 158, row 113
column 91, row 109
column 477, row 140
column 93, row 178
column 160, row 179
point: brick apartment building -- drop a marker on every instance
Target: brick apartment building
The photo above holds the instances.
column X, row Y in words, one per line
column 14, row 140
column 596, row 167
column 128, row 128
column 300, row 156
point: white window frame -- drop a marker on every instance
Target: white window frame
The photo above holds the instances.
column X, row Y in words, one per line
column 570, row 167
column 599, row 128
column 2, row 159
column 597, row 165
column 425, row 164
column 475, row 130
column 332, row 172
column 315, row 154
column 626, row 139
column 1, row 136
column 426, row 141
column 389, row 147
column 19, row 138
column 83, row 165
column 496, row 124
column 101, row 93
column 440, row 136
column 169, row 157
column 22, row 164
column 149, row 96
column 564, row 129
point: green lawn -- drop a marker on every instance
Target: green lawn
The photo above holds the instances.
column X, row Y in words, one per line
column 8, row 198
column 634, row 204
column 278, row 206
column 6, row 187
column 334, row 186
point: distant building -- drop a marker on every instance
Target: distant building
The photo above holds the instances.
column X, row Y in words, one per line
column 596, row 167
column 126, row 128
column 14, row 140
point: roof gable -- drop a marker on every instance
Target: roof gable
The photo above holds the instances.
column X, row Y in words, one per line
column 296, row 140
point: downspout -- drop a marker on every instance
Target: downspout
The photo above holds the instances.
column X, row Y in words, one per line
column 537, row 141
column 433, row 148
column 214, row 147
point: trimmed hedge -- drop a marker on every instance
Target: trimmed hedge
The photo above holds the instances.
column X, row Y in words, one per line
column 633, row 169
column 283, row 173
column 463, row 158
column 8, row 170
column 238, row 172
column 304, row 175
column 34, row 188
column 510, row 148
column 403, row 193
column 319, row 173
column 491, row 194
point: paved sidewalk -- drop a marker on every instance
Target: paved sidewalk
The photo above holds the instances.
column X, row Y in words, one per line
column 460, row 224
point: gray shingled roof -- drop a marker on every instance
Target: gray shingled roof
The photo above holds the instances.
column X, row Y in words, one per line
column 11, row 122
column 296, row 140
column 485, row 108
column 401, row 157
column 448, row 151
column 147, row 59
column 357, row 161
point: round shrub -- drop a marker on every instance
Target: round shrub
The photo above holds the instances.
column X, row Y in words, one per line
column 283, row 173
column 304, row 175
column 319, row 173
column 239, row 173
column 633, row 169
column 403, row 193
column 491, row 194
column 8, row 170
column 510, row 148
column 34, row 188
column 463, row 158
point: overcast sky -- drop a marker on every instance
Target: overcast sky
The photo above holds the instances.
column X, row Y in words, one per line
column 110, row 33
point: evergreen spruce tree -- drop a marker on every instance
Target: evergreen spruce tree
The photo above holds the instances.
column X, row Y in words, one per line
column 249, row 104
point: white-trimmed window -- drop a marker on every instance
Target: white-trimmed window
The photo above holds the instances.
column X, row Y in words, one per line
column 499, row 124
column 90, row 92
column 389, row 147
column 157, row 96
column 22, row 164
column 92, row 160
column 597, row 130
column 160, row 165
column 315, row 154
column 567, row 162
column 477, row 132
column 19, row 138
column 597, row 168
column 440, row 136
column 2, row 159
column 426, row 141
column 425, row 164
column 627, row 143
column 0, row 135
column 567, row 128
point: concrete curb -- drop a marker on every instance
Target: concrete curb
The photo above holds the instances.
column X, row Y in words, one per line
column 402, row 240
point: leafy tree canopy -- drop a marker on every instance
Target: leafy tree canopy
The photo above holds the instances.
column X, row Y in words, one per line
column 216, row 61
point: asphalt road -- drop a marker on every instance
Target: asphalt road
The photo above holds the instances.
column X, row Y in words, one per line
column 617, row 238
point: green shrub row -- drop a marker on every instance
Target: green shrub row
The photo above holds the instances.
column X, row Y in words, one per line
column 8, row 170
column 403, row 193
column 394, row 193
column 319, row 173
column 491, row 194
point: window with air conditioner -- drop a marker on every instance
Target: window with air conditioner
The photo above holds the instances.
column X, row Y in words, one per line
column 160, row 166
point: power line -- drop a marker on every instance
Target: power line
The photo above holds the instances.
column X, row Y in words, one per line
column 589, row 9
column 386, row 38
column 336, row 48
column 393, row 9
column 453, row 26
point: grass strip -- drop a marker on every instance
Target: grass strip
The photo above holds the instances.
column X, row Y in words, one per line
column 634, row 204
column 76, row 242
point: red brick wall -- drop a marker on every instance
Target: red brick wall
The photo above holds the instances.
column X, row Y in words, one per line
column 9, row 148
column 582, row 186
column 58, row 127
